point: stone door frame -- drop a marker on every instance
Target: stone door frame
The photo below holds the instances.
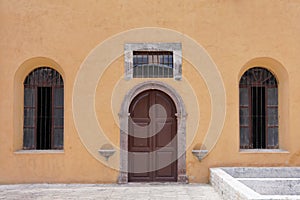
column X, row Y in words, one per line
column 181, row 128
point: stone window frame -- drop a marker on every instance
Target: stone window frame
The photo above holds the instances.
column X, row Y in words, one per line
column 176, row 48
column 181, row 127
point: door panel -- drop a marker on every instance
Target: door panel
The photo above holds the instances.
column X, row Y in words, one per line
column 165, row 136
column 140, row 163
column 140, row 106
column 152, row 157
column 164, row 158
column 140, row 139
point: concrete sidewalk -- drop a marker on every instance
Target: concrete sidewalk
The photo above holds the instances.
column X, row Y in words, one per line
column 109, row 191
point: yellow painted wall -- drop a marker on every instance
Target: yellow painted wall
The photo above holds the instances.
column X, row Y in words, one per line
column 237, row 35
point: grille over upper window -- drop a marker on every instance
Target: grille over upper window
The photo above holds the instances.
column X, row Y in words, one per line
column 152, row 64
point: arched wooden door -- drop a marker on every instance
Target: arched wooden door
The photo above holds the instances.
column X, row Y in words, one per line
column 152, row 156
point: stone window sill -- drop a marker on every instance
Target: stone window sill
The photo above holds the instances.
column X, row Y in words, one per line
column 263, row 151
column 39, row 152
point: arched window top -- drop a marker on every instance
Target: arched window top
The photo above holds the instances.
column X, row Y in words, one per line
column 258, row 76
column 44, row 77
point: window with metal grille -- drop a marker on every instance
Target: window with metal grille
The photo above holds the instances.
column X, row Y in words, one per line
column 152, row 64
column 258, row 110
column 43, row 110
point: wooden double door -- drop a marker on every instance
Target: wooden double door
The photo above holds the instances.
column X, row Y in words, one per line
column 152, row 141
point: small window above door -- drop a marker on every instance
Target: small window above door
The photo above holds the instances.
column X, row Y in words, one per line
column 153, row 60
column 152, row 64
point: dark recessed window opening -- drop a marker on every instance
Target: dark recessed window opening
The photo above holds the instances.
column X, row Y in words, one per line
column 258, row 110
column 152, row 64
column 43, row 110
column 258, row 117
column 44, row 118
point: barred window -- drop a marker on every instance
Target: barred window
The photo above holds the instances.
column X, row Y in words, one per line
column 153, row 60
column 43, row 110
column 258, row 110
column 152, row 64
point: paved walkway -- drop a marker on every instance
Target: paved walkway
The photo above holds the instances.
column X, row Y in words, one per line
column 109, row 191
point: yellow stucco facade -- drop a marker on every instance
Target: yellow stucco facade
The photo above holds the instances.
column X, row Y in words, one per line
column 84, row 41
